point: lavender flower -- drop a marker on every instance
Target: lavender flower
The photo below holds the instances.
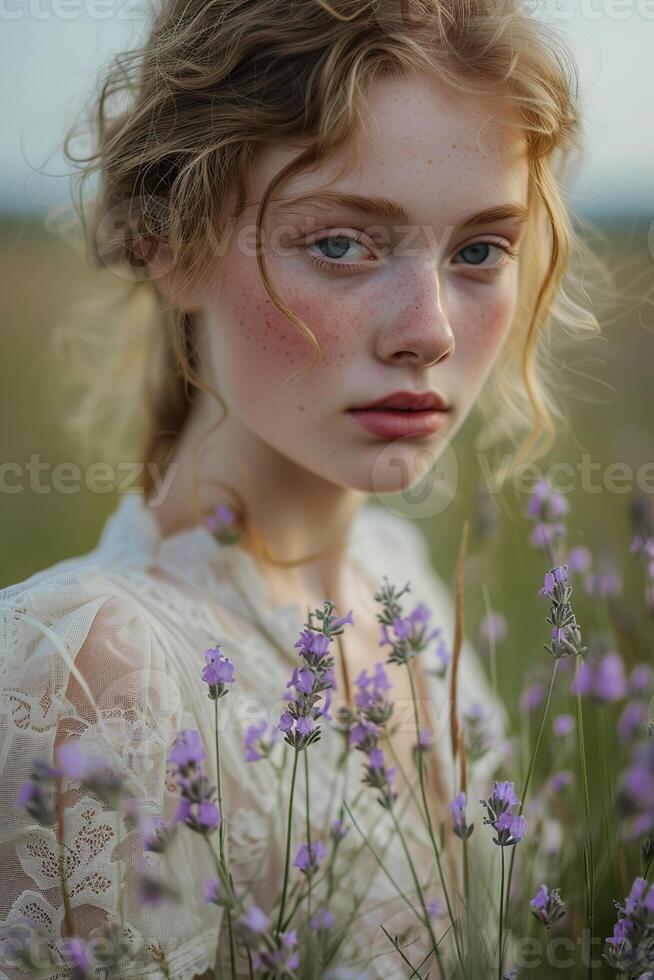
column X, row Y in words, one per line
column 37, row 794
column 631, row 947
column 298, row 721
column 492, row 630
column 603, row 584
column 157, row 834
column 93, row 772
column 379, row 777
column 222, row 524
column 479, row 737
column 214, row 893
column 544, row 507
column 256, row 919
column 370, row 694
column 510, row 828
column 260, row 738
column 547, row 907
column 635, row 797
column 152, row 888
column 532, row 697
column 632, row 721
column 308, row 858
column 579, row 559
column 601, row 678
column 408, row 635
column 218, row 671
column 77, row 957
column 322, row 919
column 563, row 725
column 338, row 830
column 560, row 780
column 566, row 635
column 196, row 807
column 457, row 807
column 281, row 960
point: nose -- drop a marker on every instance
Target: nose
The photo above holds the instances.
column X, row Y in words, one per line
column 417, row 328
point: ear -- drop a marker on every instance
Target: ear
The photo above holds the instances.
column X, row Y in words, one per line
column 158, row 257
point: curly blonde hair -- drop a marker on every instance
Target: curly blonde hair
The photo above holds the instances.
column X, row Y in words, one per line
column 179, row 121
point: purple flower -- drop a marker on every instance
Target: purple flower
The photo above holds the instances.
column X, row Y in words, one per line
column 37, row 794
column 222, row 524
column 187, row 749
column 256, row 919
column 322, row 919
column 636, row 793
column 217, row 672
column 560, row 780
column 156, row 834
column 77, row 957
column 314, row 677
column 511, row 829
column 153, row 889
column 579, row 559
column 202, row 817
column 338, row 830
column 214, row 893
column 563, row 725
column 281, row 960
column 93, row 772
column 641, row 679
column 632, row 720
column 308, row 858
column 492, row 629
column 532, row 697
column 547, row 907
column 406, row 635
column 630, row 947
column 604, row 584
column 256, row 745
column 601, row 678
column 457, row 807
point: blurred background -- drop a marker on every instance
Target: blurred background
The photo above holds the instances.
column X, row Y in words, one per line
column 50, row 57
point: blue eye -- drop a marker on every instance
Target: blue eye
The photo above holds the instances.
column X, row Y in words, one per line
column 478, row 252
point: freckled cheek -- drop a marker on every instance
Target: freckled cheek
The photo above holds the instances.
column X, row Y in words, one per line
column 484, row 329
column 270, row 347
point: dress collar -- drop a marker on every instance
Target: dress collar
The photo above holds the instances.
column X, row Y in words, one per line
column 132, row 537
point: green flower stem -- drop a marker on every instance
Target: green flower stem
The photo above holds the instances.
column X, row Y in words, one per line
column 61, row 861
column 221, row 846
column 500, row 951
column 428, row 819
column 287, row 862
column 588, row 848
column 310, row 875
column 414, row 875
column 532, row 761
column 398, row 950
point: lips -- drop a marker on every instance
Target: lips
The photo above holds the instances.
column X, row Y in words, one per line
column 403, row 414
column 407, row 401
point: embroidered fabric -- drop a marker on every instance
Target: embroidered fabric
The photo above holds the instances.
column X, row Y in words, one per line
column 107, row 647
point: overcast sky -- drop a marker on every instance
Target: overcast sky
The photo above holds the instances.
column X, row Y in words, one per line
column 50, row 51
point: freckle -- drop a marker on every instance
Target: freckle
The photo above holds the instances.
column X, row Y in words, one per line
column 429, row 163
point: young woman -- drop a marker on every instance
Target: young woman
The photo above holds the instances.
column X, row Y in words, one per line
column 322, row 205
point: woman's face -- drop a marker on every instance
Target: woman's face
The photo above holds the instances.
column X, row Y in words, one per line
column 417, row 303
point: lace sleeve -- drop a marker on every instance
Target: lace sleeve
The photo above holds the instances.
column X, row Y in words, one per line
column 81, row 661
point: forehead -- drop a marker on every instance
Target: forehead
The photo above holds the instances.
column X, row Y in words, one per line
column 440, row 154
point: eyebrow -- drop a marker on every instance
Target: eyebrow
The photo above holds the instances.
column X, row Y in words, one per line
column 385, row 208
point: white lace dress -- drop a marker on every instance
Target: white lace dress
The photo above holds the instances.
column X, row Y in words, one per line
column 108, row 647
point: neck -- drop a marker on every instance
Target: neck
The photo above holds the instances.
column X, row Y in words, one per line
column 298, row 514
